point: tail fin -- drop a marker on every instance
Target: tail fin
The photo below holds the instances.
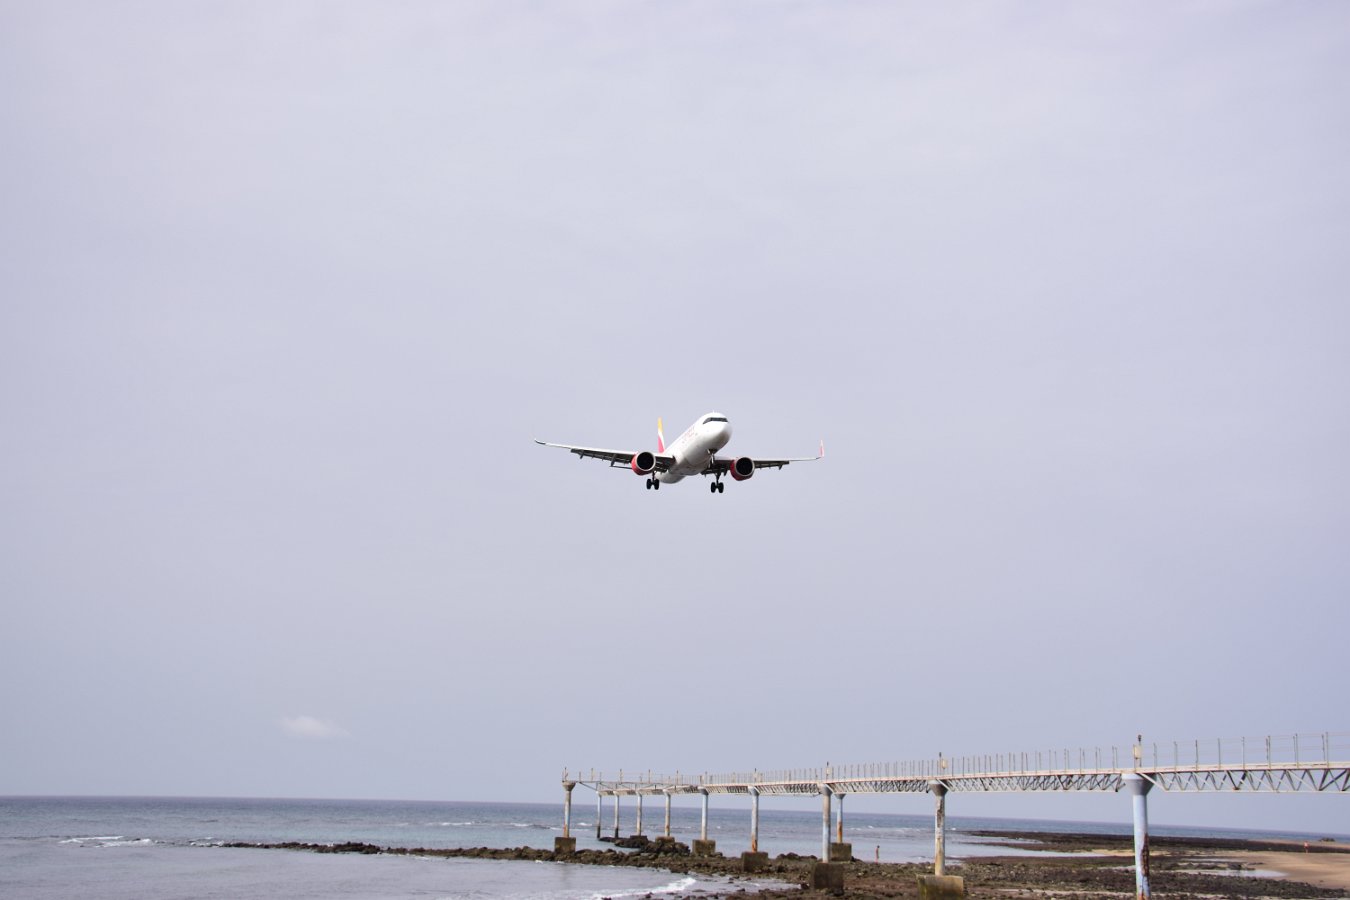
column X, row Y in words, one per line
column 660, row 437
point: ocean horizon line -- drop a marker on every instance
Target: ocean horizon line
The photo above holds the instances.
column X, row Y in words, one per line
column 1011, row 824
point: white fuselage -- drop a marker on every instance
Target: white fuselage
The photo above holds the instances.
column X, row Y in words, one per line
column 694, row 449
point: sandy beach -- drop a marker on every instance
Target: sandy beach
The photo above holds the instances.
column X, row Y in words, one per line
column 1329, row 870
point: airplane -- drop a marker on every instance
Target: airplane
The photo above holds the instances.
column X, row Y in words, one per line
column 693, row 453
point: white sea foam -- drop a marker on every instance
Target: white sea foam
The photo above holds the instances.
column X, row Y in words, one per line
column 677, row 886
column 108, row 840
column 105, row 840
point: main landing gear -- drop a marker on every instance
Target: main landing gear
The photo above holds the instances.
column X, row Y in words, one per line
column 717, row 487
column 653, row 484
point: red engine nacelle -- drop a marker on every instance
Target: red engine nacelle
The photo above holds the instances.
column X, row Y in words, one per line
column 643, row 462
column 741, row 468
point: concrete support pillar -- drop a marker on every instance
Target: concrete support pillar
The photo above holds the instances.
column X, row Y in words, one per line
column 754, row 820
column 639, row 816
column 667, row 793
column 1139, row 787
column 599, row 812
column 566, row 844
column 752, row 860
column 939, row 827
column 616, row 815
column 567, row 807
column 703, row 846
column 825, row 794
column 840, row 851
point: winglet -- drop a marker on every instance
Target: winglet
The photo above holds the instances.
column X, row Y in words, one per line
column 660, row 437
column 822, row 449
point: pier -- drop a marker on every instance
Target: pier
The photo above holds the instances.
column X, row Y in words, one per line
column 1269, row 764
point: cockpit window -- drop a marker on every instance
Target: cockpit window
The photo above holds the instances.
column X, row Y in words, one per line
column 714, row 419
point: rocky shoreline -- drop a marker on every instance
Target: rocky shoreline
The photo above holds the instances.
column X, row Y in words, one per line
column 1074, row 866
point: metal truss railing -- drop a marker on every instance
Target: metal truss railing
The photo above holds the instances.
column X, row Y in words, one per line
column 1272, row 763
column 1308, row 777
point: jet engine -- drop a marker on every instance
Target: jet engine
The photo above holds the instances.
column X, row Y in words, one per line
column 643, row 462
column 741, row 468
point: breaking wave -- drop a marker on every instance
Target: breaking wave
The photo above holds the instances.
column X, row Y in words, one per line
column 108, row 840
column 677, row 886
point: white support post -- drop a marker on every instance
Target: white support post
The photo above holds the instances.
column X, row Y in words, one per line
column 1139, row 787
column 754, row 820
column 939, row 827
column 567, row 807
column 825, row 794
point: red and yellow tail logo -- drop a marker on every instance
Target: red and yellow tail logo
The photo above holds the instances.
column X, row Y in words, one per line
column 660, row 437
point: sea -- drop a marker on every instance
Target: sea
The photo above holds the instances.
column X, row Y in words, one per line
column 167, row 848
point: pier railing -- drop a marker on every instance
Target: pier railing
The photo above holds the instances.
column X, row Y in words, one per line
column 1198, row 764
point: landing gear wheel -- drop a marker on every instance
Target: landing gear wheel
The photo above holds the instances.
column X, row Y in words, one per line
column 713, row 487
column 656, row 485
column 649, row 484
column 721, row 487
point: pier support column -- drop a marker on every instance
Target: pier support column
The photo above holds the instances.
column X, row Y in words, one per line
column 826, row 875
column 840, row 851
column 939, row 790
column 599, row 812
column 566, row 843
column 617, row 796
column 752, row 860
column 1139, row 787
column 667, row 793
column 639, row 816
column 825, row 794
column 703, row 846
column 754, row 820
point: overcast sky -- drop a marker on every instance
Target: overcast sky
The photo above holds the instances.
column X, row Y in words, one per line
column 288, row 288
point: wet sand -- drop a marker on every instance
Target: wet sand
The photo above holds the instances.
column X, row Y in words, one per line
column 1179, row 867
column 1320, row 869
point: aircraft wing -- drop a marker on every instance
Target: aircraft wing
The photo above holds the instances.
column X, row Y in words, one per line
column 720, row 465
column 613, row 457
